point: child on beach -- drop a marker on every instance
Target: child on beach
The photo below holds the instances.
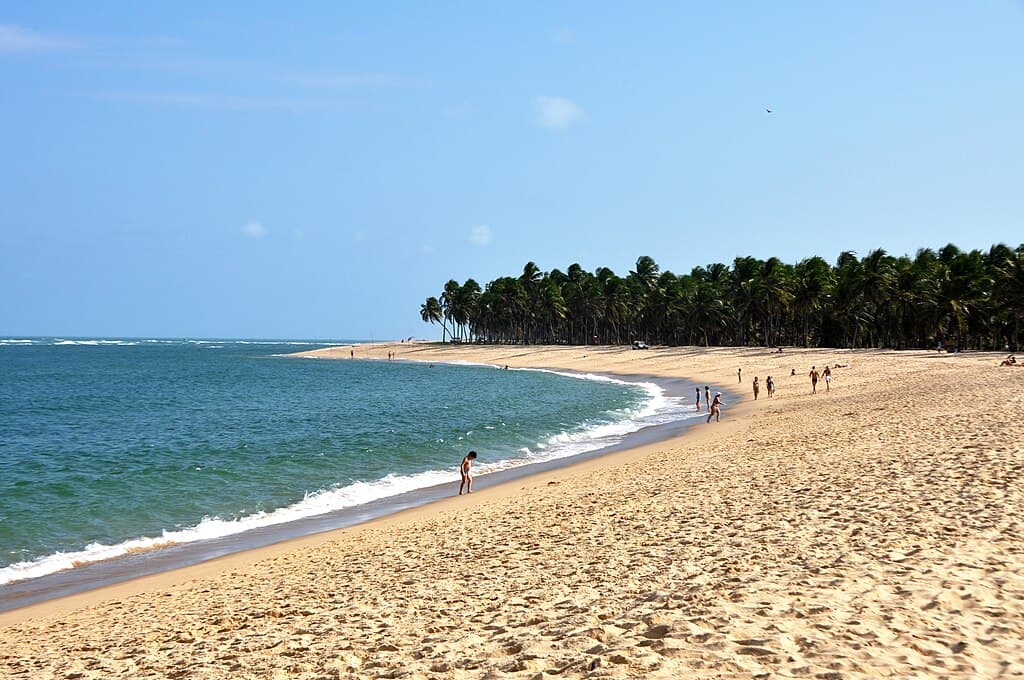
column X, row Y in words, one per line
column 467, row 476
column 716, row 411
column 770, row 385
column 757, row 388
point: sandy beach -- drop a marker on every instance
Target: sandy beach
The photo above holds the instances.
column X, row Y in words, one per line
column 871, row 530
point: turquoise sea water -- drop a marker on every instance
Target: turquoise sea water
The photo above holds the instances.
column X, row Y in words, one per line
column 109, row 446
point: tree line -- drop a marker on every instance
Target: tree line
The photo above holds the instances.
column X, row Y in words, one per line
column 962, row 299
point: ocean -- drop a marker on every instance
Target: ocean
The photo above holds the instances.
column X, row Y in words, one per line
column 111, row 447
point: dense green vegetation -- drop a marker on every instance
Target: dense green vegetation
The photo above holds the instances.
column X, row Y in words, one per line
column 970, row 300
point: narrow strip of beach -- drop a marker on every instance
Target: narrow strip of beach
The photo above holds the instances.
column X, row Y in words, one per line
column 873, row 529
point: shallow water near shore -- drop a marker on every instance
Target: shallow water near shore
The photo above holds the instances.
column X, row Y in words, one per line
column 113, row 447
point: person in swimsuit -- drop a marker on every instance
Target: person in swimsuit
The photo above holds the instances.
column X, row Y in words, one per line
column 716, row 411
column 739, row 374
column 707, row 396
column 814, row 380
column 770, row 385
column 698, row 400
column 465, row 471
column 757, row 388
column 827, row 374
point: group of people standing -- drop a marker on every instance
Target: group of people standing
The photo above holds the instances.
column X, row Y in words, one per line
column 714, row 405
column 815, row 375
column 769, row 384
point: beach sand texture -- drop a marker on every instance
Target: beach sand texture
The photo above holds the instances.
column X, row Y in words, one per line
column 872, row 531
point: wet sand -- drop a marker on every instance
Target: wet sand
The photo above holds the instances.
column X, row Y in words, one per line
column 874, row 530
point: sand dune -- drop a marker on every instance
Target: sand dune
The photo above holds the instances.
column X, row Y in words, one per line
column 874, row 530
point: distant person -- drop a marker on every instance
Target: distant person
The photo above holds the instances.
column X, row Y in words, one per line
column 793, row 372
column 757, row 388
column 465, row 470
column 739, row 374
column 707, row 397
column 827, row 374
column 716, row 408
column 770, row 386
column 351, row 354
column 814, row 379
column 698, row 400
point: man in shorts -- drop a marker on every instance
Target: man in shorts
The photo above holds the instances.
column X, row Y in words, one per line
column 814, row 380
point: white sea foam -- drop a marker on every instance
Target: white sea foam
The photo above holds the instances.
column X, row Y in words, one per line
column 95, row 343
column 14, row 341
column 655, row 409
column 317, row 503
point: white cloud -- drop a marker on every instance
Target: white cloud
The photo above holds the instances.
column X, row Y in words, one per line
column 15, row 39
column 556, row 112
column 254, row 230
column 563, row 36
column 480, row 235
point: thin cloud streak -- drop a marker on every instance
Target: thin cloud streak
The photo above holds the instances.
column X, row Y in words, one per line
column 17, row 40
column 222, row 102
column 345, row 80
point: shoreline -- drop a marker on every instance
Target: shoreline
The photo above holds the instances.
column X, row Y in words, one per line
column 871, row 530
column 116, row 575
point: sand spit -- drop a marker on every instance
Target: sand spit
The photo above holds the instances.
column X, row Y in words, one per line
column 874, row 530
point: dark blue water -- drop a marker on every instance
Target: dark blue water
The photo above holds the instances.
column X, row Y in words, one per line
column 112, row 446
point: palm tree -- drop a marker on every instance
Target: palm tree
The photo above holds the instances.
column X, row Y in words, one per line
column 774, row 296
column 430, row 312
column 812, row 291
column 450, row 302
column 1007, row 271
column 874, row 282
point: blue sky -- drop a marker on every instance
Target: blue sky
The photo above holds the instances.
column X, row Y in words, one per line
column 317, row 170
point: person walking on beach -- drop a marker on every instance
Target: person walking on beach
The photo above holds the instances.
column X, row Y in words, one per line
column 716, row 410
column 814, row 380
column 739, row 374
column 698, row 400
column 707, row 396
column 827, row 374
column 465, row 470
column 770, row 386
column 757, row 388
